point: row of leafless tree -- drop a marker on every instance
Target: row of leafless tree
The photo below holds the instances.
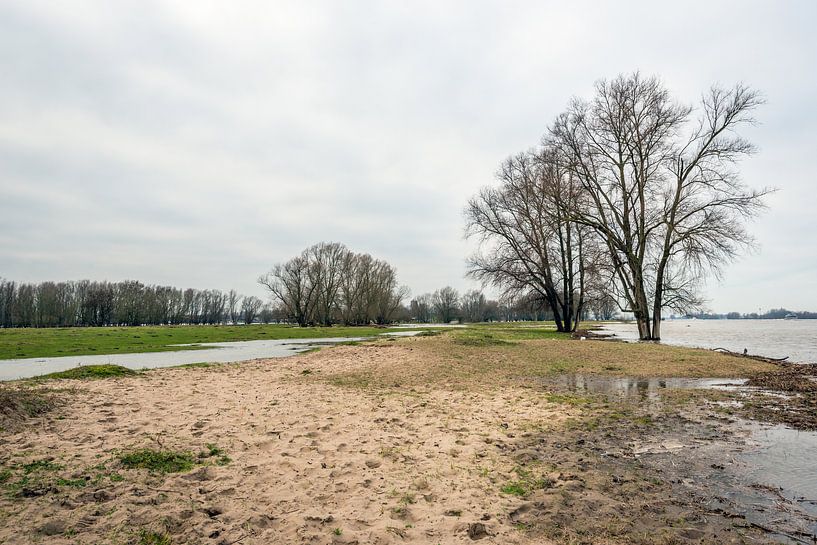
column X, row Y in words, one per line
column 446, row 305
column 87, row 303
column 327, row 284
column 631, row 196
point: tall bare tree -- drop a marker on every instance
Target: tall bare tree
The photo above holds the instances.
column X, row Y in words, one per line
column 233, row 308
column 250, row 307
column 530, row 245
column 660, row 186
column 446, row 304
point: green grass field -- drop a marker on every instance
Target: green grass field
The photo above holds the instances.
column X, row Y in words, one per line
column 76, row 341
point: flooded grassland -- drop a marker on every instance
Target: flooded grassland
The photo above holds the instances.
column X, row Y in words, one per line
column 482, row 435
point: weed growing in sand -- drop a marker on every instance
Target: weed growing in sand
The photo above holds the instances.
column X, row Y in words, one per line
column 147, row 537
column 526, row 483
column 213, row 451
column 391, row 453
column 407, row 499
column 160, row 461
column 337, row 531
column 85, row 372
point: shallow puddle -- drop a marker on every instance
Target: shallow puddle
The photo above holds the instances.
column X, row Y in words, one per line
column 643, row 388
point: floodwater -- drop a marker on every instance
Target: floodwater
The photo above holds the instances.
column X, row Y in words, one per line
column 750, row 468
column 224, row 352
column 796, row 339
column 782, row 457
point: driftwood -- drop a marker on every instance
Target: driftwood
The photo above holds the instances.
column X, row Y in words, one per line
column 752, row 356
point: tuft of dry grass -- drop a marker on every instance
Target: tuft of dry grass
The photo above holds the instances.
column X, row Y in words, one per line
column 19, row 402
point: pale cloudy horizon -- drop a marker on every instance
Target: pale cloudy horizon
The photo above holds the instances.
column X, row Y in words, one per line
column 197, row 144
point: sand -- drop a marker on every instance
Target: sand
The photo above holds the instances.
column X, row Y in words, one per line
column 311, row 461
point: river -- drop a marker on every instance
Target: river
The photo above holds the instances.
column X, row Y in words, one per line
column 796, row 339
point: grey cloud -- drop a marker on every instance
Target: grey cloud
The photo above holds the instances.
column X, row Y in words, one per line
column 196, row 144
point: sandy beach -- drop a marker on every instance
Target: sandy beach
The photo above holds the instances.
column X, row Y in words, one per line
column 351, row 444
column 307, row 458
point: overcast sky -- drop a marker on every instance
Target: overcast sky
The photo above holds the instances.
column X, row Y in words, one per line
column 198, row 143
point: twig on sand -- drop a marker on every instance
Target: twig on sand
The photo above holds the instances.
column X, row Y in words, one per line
column 782, row 533
column 751, row 356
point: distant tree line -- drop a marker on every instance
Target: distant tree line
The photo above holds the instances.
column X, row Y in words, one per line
column 126, row 303
column 446, row 305
column 773, row 314
column 327, row 284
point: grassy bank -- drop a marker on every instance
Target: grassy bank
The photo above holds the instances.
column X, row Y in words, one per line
column 487, row 357
column 76, row 341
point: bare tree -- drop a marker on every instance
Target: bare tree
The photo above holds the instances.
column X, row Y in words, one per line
column 666, row 199
column 250, row 307
column 421, row 308
column 445, row 304
column 530, row 246
column 233, row 300
column 325, row 270
column 474, row 305
column 328, row 283
column 289, row 283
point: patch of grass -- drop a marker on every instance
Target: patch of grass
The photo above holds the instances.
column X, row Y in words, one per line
column 90, row 372
column 201, row 364
column 73, row 483
column 36, row 478
column 568, row 399
column 40, row 465
column 478, row 338
column 159, row 461
column 337, row 531
column 514, row 488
